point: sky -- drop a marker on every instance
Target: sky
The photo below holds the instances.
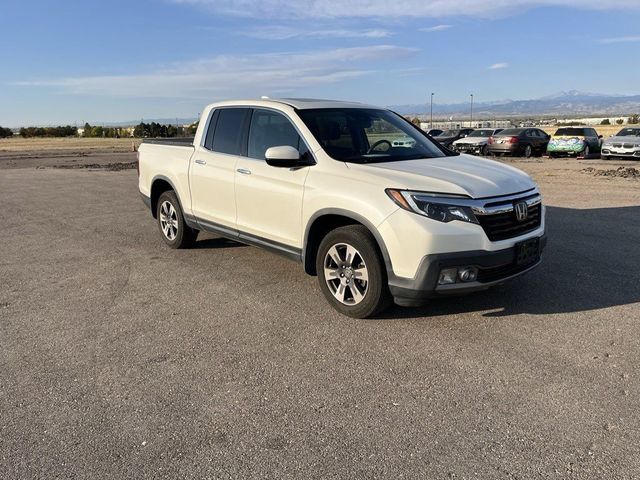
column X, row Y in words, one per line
column 71, row 61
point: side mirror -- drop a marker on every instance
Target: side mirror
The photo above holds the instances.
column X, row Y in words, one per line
column 282, row 156
column 599, row 136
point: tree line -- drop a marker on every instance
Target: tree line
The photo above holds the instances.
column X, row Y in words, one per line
column 66, row 131
column 141, row 130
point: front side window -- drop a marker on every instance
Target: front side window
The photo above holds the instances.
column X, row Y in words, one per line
column 272, row 129
column 364, row 135
column 229, row 131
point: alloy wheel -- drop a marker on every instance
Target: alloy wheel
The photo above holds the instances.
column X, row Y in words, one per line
column 346, row 274
column 168, row 220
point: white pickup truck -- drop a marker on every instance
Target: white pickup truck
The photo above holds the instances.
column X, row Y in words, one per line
column 361, row 197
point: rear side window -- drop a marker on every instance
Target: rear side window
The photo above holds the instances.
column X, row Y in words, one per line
column 271, row 129
column 230, row 130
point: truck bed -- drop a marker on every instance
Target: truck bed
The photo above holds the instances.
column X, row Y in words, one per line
column 175, row 141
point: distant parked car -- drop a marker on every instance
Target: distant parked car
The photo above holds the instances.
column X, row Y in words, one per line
column 434, row 132
column 574, row 141
column 518, row 142
column 447, row 137
column 626, row 143
column 406, row 142
column 476, row 142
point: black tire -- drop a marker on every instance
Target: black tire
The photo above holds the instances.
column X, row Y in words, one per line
column 179, row 234
column 605, row 157
column 551, row 155
column 376, row 296
column 484, row 151
column 586, row 153
column 527, row 152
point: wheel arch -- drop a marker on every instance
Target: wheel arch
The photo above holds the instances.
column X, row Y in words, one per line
column 325, row 220
column 159, row 185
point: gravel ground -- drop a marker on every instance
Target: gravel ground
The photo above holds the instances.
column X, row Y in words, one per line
column 122, row 358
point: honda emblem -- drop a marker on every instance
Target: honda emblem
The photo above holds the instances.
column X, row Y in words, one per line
column 522, row 211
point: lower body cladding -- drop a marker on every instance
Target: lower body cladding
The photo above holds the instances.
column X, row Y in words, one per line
column 466, row 272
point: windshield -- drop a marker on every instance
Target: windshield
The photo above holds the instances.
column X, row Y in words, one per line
column 481, row 133
column 449, row 133
column 365, row 135
column 570, row 132
column 629, row 132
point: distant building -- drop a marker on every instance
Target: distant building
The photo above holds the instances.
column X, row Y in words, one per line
column 453, row 124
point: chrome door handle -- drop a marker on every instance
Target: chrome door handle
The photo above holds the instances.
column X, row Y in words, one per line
column 243, row 171
column 201, row 162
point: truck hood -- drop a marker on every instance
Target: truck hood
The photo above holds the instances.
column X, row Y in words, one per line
column 472, row 141
column 460, row 174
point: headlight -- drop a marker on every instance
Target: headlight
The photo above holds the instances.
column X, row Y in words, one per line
column 434, row 206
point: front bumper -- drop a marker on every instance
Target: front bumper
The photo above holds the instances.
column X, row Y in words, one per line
column 494, row 268
column 467, row 148
column 621, row 151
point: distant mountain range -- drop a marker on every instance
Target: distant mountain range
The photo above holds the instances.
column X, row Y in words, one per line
column 564, row 104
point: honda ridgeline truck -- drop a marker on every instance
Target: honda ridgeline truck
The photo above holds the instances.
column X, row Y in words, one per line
column 328, row 185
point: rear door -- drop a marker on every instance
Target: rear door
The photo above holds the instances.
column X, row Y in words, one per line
column 269, row 199
column 212, row 171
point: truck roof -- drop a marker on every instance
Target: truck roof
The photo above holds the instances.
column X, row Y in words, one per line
column 298, row 103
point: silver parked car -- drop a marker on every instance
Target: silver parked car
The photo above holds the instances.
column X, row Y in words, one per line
column 626, row 143
column 476, row 142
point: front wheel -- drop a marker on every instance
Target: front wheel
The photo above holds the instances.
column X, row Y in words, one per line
column 174, row 230
column 527, row 151
column 586, row 152
column 351, row 272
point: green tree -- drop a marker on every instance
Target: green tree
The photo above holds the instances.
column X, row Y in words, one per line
column 606, row 121
column 619, row 121
column 6, row 132
column 634, row 119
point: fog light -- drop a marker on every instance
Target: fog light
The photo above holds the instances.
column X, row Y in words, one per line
column 468, row 274
column 447, row 276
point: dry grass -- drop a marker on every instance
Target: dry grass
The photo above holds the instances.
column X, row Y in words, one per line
column 71, row 145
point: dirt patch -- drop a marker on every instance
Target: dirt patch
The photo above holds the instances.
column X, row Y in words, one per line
column 622, row 172
column 111, row 167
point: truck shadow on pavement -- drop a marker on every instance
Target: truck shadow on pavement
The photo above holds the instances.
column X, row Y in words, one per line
column 592, row 261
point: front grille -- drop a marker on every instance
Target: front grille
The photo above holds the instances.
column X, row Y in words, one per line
column 628, row 145
column 486, row 275
column 617, row 145
column 501, row 226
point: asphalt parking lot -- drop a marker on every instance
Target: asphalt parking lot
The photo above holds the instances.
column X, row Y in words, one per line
column 121, row 358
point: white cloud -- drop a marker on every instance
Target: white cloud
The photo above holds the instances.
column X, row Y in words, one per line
column 630, row 38
column 498, row 66
column 436, row 28
column 277, row 32
column 386, row 9
column 234, row 75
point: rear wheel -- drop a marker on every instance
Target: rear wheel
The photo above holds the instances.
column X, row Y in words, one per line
column 173, row 229
column 351, row 272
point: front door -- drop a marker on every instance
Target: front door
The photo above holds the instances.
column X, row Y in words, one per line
column 269, row 199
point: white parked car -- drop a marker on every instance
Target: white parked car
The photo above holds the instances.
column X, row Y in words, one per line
column 625, row 144
column 476, row 142
column 322, row 183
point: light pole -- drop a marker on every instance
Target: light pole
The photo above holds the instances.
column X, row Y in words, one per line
column 471, row 113
column 431, row 120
